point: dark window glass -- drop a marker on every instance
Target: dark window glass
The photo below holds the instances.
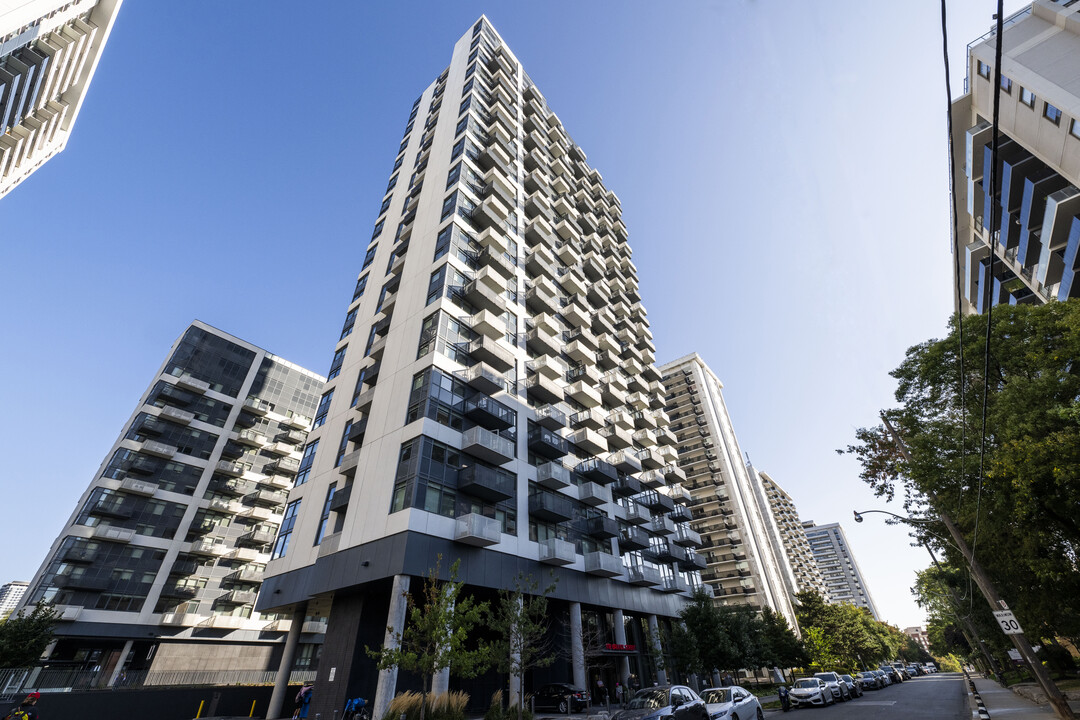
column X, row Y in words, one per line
column 459, row 147
column 347, row 328
column 344, row 444
column 323, row 409
column 378, row 228
column 281, row 546
column 453, row 175
column 465, row 104
column 361, row 285
column 212, row 359
column 1051, row 113
column 385, row 204
column 435, row 285
column 325, row 514
column 308, row 459
column 335, row 364
column 448, row 205
column 393, row 181
column 369, row 257
column 442, row 242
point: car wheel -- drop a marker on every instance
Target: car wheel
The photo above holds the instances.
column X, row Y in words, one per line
column 760, row 715
column 734, row 717
column 562, row 706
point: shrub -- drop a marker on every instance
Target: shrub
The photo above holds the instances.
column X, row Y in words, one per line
column 498, row 712
column 447, row 706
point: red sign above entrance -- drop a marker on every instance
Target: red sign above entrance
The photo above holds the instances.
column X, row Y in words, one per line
column 623, row 648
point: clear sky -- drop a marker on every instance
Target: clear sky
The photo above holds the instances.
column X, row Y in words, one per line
column 782, row 168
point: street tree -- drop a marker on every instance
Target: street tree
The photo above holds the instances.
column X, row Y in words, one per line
column 519, row 620
column 1023, row 503
column 436, row 633
column 782, row 648
column 24, row 637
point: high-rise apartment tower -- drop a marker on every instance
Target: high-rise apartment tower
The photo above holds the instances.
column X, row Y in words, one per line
column 49, row 50
column 791, row 537
column 1037, row 236
column 158, row 568
column 492, row 399
column 843, row 580
column 10, row 595
column 742, row 546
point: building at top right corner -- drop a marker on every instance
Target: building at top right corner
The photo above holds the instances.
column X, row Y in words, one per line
column 1035, row 232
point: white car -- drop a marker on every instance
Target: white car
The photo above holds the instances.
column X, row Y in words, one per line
column 811, row 691
column 731, row 703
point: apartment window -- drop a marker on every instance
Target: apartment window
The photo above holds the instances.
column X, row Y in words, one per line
column 462, row 124
column 1006, row 84
column 343, row 445
column 459, row 147
column 984, row 70
column 1074, row 129
column 435, row 284
column 453, row 175
column 323, row 409
column 336, row 363
column 385, row 204
column 1051, row 113
column 470, row 70
column 393, row 181
column 281, row 546
column 397, row 163
column 361, row 285
column 378, row 228
column 465, row 104
column 370, row 256
column 1027, row 97
column 306, row 461
column 448, row 205
column 325, row 514
column 437, row 396
column 364, row 375
column 442, row 242
column 347, row 328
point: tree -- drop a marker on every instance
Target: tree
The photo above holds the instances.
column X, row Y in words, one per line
column 436, row 634
column 520, row 620
column 849, row 636
column 1024, row 503
column 24, row 637
column 782, row 648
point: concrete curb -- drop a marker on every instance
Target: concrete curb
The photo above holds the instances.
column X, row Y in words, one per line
column 975, row 702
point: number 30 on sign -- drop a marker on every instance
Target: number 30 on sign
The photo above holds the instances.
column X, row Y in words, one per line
column 1008, row 622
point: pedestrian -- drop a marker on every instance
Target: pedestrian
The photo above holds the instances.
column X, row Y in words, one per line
column 728, row 680
column 26, row 710
column 601, row 695
column 618, row 693
column 303, row 701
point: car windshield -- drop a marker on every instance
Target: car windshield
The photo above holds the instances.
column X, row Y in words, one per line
column 651, row 699
column 806, row 683
column 847, row 678
column 827, row 677
column 717, row 695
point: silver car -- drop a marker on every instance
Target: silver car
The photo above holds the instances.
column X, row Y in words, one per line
column 731, row 703
column 811, row 691
column 836, row 685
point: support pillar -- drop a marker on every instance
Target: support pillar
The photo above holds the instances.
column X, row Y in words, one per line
column 288, row 655
column 440, row 683
column 577, row 649
column 395, row 623
column 515, row 660
column 654, row 638
column 118, row 668
column 624, row 661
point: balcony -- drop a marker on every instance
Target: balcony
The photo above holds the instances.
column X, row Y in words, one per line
column 251, row 438
column 593, row 495
column 302, row 422
column 488, row 324
column 656, row 501
column 590, row 441
column 597, row 471
column 600, row 527
column 357, row 430
column 487, row 483
column 618, row 437
column 231, row 469
column 593, row 419
column 660, row 525
column 546, row 443
column 252, row 537
column 680, row 513
column 286, row 465
column 238, row 597
column 687, row 537
column 484, row 378
column 691, row 561
column 603, row 564
column 267, row 498
column 476, row 530
column 625, row 486
column 246, row 574
column 554, row 551
column 543, row 389
column 550, row 367
column 632, row 538
column 138, row 487
column 552, row 475
column 673, row 473
column 636, row 514
column 489, row 413
column 340, row 501
column 487, row 350
column 484, row 297
column 158, row 449
column 551, row 417
column 112, row 508
column 487, row 446
column 234, row 487
column 675, row 585
column 257, row 406
column 650, row 459
column 181, row 417
column 584, row 394
column 550, row 507
column 644, row 576
column 211, row 548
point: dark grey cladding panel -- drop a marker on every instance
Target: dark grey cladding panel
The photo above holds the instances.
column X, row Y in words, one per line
column 416, row 554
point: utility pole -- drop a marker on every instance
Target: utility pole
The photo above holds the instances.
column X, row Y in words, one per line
column 989, row 591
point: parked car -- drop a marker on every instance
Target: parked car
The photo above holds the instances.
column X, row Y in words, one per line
column 554, row 697
column 731, row 703
column 676, row 702
column 869, row 681
column 914, row 670
column 931, row 667
column 811, row 691
column 836, row 685
column 893, row 673
column 854, row 686
column 883, row 676
column 904, row 674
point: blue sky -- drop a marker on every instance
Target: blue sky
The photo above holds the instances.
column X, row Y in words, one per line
column 782, row 169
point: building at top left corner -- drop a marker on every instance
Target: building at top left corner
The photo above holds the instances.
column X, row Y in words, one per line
column 49, row 51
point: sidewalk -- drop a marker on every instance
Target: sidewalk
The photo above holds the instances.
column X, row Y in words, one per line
column 1002, row 702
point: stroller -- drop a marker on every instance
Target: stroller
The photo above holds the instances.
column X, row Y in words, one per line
column 355, row 709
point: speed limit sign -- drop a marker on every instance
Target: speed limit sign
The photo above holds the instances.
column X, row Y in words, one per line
column 1008, row 622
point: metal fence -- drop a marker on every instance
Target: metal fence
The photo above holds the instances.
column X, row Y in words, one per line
column 17, row 681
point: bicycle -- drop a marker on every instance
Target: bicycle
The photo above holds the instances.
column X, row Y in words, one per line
column 356, row 709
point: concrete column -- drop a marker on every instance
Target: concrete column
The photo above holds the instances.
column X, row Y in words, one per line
column 624, row 661
column 120, row 663
column 395, row 623
column 577, row 649
column 515, row 661
column 288, row 655
column 654, row 632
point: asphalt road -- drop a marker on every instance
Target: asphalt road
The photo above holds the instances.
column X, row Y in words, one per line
column 942, row 696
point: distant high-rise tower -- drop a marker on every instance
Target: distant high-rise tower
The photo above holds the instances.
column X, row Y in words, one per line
column 49, row 50
column 1037, row 236
column 744, row 552
column 491, row 398
column 839, row 571
column 160, row 563
column 10, row 594
column 791, row 537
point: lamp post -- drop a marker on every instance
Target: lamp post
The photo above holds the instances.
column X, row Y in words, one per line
column 969, row 628
column 989, row 591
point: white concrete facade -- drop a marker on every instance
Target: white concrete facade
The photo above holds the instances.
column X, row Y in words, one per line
column 10, row 595
column 843, row 580
column 791, row 537
column 49, row 52
column 741, row 542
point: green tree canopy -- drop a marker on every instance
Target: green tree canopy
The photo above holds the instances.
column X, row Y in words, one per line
column 519, row 618
column 1025, row 503
column 24, row 637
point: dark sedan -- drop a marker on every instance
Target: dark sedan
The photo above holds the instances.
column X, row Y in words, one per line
column 555, row 696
